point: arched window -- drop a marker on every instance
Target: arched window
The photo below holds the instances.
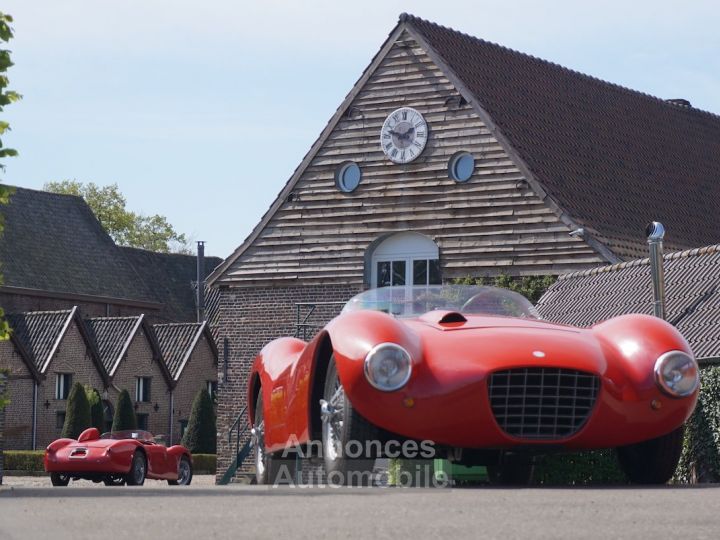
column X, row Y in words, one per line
column 405, row 258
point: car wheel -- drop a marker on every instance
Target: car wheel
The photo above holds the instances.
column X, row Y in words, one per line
column 271, row 469
column 136, row 476
column 185, row 473
column 342, row 424
column 114, row 481
column 515, row 470
column 653, row 461
column 59, row 479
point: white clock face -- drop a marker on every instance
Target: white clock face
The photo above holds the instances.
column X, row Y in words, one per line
column 403, row 135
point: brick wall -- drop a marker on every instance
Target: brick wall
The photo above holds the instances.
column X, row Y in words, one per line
column 250, row 318
column 3, row 381
column 71, row 356
column 139, row 362
column 18, row 414
column 201, row 367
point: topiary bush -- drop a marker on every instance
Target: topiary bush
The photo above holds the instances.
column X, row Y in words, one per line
column 124, row 418
column 201, row 433
column 77, row 413
column 97, row 416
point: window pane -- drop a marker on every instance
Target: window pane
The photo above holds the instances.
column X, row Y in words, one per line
column 146, row 389
column 142, row 421
column 420, row 272
column 383, row 274
column 398, row 269
column 434, row 277
column 60, row 419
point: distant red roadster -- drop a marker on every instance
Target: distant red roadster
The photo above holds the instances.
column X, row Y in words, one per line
column 116, row 458
column 473, row 370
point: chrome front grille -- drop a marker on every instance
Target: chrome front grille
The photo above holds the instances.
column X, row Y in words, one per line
column 542, row 403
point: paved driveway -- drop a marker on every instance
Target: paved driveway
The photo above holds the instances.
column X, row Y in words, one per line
column 205, row 511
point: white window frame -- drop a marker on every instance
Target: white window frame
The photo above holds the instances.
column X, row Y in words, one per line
column 404, row 246
column 63, row 383
column 140, row 389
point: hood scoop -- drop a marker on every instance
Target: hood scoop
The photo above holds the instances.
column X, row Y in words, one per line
column 444, row 317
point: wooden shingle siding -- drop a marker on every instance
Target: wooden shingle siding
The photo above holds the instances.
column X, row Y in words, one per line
column 494, row 222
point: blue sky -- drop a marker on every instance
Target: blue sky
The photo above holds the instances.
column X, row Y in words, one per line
column 201, row 111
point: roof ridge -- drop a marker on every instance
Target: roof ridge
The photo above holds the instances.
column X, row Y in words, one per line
column 40, row 312
column 124, row 318
column 407, row 17
column 695, row 252
column 178, row 324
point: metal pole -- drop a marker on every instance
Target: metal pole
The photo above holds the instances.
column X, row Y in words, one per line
column 655, row 234
column 200, row 281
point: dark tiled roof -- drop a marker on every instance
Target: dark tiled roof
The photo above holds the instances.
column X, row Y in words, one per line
column 54, row 243
column 112, row 336
column 176, row 342
column 614, row 159
column 39, row 332
column 172, row 278
column 692, row 285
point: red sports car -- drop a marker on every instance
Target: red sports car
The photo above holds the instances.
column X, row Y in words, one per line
column 116, row 458
column 474, row 374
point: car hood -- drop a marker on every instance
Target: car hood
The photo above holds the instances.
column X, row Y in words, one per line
column 491, row 343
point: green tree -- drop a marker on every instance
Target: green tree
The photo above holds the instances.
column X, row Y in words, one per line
column 531, row 287
column 124, row 413
column 6, row 98
column 77, row 413
column 125, row 227
column 201, row 433
column 97, row 416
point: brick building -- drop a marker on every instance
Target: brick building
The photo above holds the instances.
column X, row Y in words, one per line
column 56, row 255
column 48, row 352
column 191, row 356
column 454, row 157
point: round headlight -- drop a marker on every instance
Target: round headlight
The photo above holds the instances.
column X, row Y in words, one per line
column 388, row 367
column 676, row 373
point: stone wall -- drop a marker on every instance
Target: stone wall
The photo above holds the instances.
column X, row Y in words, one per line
column 250, row 318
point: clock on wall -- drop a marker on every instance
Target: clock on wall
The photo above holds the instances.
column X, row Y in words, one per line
column 403, row 135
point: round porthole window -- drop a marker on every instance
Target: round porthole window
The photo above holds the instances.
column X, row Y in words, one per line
column 347, row 176
column 461, row 167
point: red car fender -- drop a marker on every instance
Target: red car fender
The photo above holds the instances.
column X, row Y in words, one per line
column 637, row 341
column 177, row 451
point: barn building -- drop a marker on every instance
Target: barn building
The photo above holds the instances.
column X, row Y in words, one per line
column 454, row 157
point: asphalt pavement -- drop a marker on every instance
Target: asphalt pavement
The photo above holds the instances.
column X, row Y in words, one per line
column 156, row 511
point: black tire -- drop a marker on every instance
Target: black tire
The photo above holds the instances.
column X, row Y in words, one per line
column 340, row 468
column 59, row 479
column 185, row 473
column 114, row 481
column 513, row 470
column 138, row 469
column 653, row 461
column 270, row 469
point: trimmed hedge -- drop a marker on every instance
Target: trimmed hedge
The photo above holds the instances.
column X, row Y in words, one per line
column 204, row 463
column 24, row 460
column 32, row 461
column 595, row 467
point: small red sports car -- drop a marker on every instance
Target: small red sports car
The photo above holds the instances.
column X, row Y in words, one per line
column 116, row 458
column 476, row 375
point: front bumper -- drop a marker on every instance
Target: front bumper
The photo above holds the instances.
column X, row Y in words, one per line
column 461, row 416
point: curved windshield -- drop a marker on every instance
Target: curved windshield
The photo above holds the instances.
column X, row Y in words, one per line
column 468, row 299
column 138, row 434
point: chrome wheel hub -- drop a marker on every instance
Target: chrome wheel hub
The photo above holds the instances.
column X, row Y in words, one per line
column 183, row 472
column 258, row 433
column 332, row 413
